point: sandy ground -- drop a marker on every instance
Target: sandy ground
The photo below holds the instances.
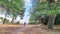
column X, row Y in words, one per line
column 28, row 29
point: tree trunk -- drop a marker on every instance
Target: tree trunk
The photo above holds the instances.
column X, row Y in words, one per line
column 4, row 19
column 12, row 20
column 51, row 21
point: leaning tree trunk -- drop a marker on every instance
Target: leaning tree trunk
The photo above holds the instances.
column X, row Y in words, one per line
column 12, row 20
column 51, row 21
column 4, row 19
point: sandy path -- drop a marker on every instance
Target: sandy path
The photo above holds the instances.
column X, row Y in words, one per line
column 28, row 29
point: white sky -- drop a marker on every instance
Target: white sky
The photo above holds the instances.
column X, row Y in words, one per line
column 28, row 6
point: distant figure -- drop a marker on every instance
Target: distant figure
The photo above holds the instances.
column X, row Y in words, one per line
column 24, row 23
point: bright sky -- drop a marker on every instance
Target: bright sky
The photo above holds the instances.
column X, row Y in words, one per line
column 28, row 5
column 18, row 18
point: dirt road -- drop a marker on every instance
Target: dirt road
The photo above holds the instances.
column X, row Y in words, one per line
column 28, row 29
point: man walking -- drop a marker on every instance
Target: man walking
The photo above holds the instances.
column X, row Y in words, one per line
column 24, row 23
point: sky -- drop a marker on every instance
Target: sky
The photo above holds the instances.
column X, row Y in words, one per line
column 28, row 6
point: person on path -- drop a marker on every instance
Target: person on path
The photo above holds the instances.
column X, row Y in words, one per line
column 24, row 23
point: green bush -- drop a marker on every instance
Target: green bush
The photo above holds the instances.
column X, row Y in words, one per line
column 57, row 21
column 33, row 22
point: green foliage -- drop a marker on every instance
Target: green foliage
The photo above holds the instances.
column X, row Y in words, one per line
column 7, row 21
column 52, row 12
column 57, row 21
column 17, row 22
column 1, row 18
column 44, row 8
column 33, row 22
column 12, row 7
